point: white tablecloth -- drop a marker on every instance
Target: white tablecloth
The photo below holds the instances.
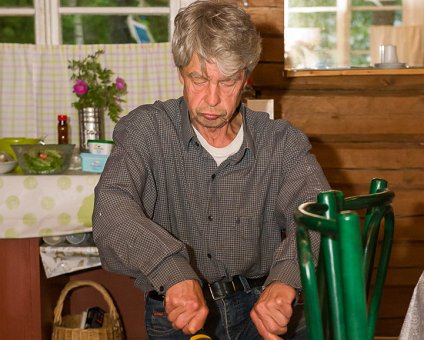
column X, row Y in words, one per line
column 413, row 325
column 37, row 206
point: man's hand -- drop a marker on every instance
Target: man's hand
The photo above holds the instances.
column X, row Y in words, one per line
column 186, row 306
column 273, row 310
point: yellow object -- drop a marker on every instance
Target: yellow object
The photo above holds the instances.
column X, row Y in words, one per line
column 200, row 337
column 5, row 143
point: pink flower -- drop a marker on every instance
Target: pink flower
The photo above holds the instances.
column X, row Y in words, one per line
column 120, row 84
column 80, row 87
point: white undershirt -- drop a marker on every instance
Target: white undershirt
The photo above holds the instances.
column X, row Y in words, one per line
column 221, row 154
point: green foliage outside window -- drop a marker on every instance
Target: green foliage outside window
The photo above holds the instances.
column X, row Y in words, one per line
column 17, row 29
column 86, row 29
column 311, row 3
column 100, row 29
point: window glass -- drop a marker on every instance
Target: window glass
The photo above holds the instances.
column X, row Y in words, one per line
column 335, row 33
column 17, row 30
column 16, row 3
column 114, row 3
column 360, row 33
column 114, row 29
column 311, row 3
column 310, row 40
column 376, row 3
column 105, row 29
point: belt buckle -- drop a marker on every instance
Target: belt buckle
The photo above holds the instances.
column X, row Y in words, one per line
column 222, row 296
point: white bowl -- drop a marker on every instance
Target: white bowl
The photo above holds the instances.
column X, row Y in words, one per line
column 7, row 166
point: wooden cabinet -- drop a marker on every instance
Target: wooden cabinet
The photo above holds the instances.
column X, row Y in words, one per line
column 28, row 298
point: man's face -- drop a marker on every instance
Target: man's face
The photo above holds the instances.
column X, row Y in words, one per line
column 212, row 98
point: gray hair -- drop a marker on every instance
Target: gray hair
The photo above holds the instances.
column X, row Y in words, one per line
column 219, row 32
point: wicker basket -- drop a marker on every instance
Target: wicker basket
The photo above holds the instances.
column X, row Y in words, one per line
column 67, row 327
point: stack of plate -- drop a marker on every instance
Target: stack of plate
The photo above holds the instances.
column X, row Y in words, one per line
column 390, row 65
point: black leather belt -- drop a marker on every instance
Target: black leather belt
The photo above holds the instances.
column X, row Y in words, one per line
column 221, row 289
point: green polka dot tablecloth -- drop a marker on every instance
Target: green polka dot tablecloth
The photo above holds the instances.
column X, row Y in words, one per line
column 49, row 205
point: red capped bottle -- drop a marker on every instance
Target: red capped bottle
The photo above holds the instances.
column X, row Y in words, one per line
column 62, row 129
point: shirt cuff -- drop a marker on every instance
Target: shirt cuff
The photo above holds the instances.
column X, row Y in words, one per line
column 286, row 272
column 172, row 270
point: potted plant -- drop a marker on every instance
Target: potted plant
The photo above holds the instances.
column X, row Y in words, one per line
column 94, row 87
column 96, row 94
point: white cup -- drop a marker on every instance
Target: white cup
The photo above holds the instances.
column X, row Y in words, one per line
column 388, row 54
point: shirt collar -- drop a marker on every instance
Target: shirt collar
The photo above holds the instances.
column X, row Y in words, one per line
column 248, row 142
column 188, row 133
column 186, row 129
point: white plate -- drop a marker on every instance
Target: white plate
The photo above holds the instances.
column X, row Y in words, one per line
column 390, row 65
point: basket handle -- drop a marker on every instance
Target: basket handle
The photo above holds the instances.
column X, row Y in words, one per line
column 74, row 284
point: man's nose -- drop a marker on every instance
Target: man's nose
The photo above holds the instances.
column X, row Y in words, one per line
column 212, row 95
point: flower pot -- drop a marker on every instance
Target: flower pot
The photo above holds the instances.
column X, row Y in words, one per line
column 91, row 126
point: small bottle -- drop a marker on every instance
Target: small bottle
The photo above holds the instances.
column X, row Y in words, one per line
column 62, row 129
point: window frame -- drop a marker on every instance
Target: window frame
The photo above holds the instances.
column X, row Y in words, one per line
column 47, row 15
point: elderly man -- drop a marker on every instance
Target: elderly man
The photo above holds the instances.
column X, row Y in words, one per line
column 197, row 198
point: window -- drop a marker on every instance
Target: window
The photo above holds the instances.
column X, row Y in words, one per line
column 54, row 22
column 335, row 33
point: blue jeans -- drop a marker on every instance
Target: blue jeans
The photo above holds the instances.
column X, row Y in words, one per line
column 228, row 319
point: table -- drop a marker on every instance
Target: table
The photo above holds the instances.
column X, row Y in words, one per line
column 46, row 205
column 413, row 325
column 50, row 205
column 36, row 206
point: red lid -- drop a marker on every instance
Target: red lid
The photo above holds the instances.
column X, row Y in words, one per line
column 62, row 117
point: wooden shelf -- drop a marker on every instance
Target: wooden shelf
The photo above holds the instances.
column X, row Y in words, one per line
column 354, row 71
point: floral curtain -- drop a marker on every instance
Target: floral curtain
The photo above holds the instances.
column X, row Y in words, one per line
column 35, row 84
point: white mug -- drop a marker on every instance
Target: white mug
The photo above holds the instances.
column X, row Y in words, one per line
column 388, row 54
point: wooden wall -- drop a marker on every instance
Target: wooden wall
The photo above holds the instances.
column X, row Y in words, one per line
column 360, row 127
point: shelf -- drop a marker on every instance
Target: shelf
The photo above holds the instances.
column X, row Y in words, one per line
column 359, row 71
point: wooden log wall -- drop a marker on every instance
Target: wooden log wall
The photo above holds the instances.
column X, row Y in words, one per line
column 360, row 127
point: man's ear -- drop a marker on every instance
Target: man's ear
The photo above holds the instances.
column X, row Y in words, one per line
column 180, row 76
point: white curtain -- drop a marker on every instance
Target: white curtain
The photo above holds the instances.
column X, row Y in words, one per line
column 413, row 12
column 408, row 39
column 35, row 84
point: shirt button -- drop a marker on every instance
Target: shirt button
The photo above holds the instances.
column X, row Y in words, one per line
column 213, row 176
column 210, row 218
column 209, row 256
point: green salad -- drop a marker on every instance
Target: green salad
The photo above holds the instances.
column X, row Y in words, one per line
column 47, row 160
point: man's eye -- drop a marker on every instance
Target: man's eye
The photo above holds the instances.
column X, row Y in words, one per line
column 228, row 83
column 199, row 81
